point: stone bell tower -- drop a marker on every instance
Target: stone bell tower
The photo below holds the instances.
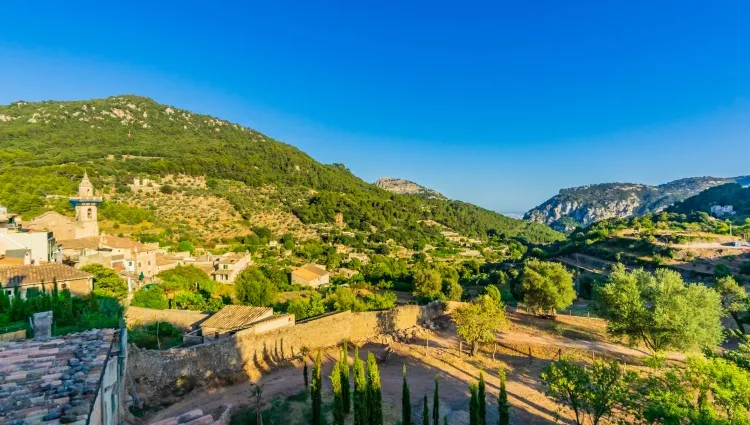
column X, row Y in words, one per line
column 86, row 205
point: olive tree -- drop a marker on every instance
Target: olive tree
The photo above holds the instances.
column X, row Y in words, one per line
column 546, row 286
column 660, row 310
column 479, row 321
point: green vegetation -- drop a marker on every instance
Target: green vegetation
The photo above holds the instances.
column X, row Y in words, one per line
column 659, row 310
column 361, row 407
column 316, row 392
column 344, row 378
column 405, row 401
column 107, row 283
column 727, row 194
column 546, row 286
column 503, row 407
column 338, row 397
column 436, row 403
column 479, row 321
column 374, row 394
column 39, row 150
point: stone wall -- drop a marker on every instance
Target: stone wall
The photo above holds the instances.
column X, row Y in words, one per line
column 183, row 319
column 248, row 352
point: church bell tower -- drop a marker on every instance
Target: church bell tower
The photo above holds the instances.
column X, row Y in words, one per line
column 86, row 205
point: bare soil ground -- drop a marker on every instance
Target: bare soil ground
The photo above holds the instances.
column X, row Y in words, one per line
column 455, row 371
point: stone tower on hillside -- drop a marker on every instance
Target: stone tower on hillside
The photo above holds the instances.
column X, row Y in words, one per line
column 86, row 205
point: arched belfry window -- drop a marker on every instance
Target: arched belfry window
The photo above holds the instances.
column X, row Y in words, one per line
column 90, row 213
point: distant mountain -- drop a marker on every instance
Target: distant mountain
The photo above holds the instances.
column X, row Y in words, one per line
column 406, row 187
column 587, row 204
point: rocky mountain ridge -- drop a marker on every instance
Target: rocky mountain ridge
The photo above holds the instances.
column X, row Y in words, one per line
column 581, row 206
column 406, row 187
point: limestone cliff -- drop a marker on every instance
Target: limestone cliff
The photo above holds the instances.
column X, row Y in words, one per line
column 587, row 204
column 406, row 187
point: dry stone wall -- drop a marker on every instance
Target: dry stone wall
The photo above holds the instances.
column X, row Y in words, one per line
column 247, row 353
column 182, row 319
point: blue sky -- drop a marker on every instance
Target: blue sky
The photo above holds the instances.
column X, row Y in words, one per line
column 496, row 103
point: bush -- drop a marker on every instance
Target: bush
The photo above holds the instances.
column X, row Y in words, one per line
column 151, row 296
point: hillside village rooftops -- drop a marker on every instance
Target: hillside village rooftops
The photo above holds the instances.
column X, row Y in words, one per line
column 104, row 241
column 35, row 274
column 52, row 380
column 310, row 272
column 234, row 317
column 232, row 258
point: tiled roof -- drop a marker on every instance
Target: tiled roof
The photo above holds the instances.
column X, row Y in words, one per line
column 231, row 258
column 33, row 274
column 105, row 241
column 310, row 272
column 222, row 272
column 233, row 317
column 163, row 260
column 10, row 261
column 54, row 379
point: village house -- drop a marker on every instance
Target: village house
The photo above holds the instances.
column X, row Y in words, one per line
column 84, row 224
column 363, row 258
column 229, row 266
column 121, row 254
column 347, row 273
column 34, row 277
column 92, row 365
column 311, row 275
column 231, row 319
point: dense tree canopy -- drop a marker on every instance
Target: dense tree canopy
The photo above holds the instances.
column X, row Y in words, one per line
column 660, row 310
column 546, row 286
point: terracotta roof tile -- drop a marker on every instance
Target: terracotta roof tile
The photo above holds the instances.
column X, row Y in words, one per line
column 54, row 379
column 310, row 272
column 235, row 317
column 34, row 274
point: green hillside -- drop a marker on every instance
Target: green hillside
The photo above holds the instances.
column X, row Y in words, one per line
column 728, row 194
column 45, row 147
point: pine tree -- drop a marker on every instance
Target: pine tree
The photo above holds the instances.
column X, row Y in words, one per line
column 345, row 386
column 481, row 395
column 374, row 395
column 473, row 405
column 338, row 397
column 361, row 415
column 316, row 393
column 405, row 402
column 304, row 375
column 436, row 404
column 503, row 407
column 426, row 412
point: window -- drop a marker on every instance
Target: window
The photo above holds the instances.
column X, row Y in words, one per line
column 64, row 286
column 149, row 263
column 90, row 213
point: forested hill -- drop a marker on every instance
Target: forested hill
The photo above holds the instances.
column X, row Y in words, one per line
column 45, row 147
column 728, row 194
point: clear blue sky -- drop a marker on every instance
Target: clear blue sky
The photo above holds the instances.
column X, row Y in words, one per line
column 497, row 103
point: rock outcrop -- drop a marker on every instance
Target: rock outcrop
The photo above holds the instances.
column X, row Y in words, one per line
column 581, row 206
column 406, row 187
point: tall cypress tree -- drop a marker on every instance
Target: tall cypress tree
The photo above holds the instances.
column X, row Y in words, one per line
column 445, row 420
column 374, row 395
column 481, row 395
column 426, row 412
column 344, row 372
column 436, row 404
column 338, row 397
column 361, row 416
column 405, row 402
column 473, row 405
column 305, row 375
column 316, row 393
column 503, row 407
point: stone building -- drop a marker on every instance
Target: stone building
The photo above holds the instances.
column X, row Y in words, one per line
column 85, row 223
column 311, row 275
column 229, row 266
column 231, row 319
column 118, row 253
column 33, row 277
column 74, row 379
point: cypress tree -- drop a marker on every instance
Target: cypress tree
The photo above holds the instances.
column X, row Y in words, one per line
column 405, row 402
column 67, row 310
column 426, row 412
column 304, row 375
column 338, row 398
column 361, row 416
column 436, row 404
column 344, row 372
column 482, row 400
column 316, row 394
column 503, row 407
column 374, row 395
column 445, row 420
column 473, row 405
